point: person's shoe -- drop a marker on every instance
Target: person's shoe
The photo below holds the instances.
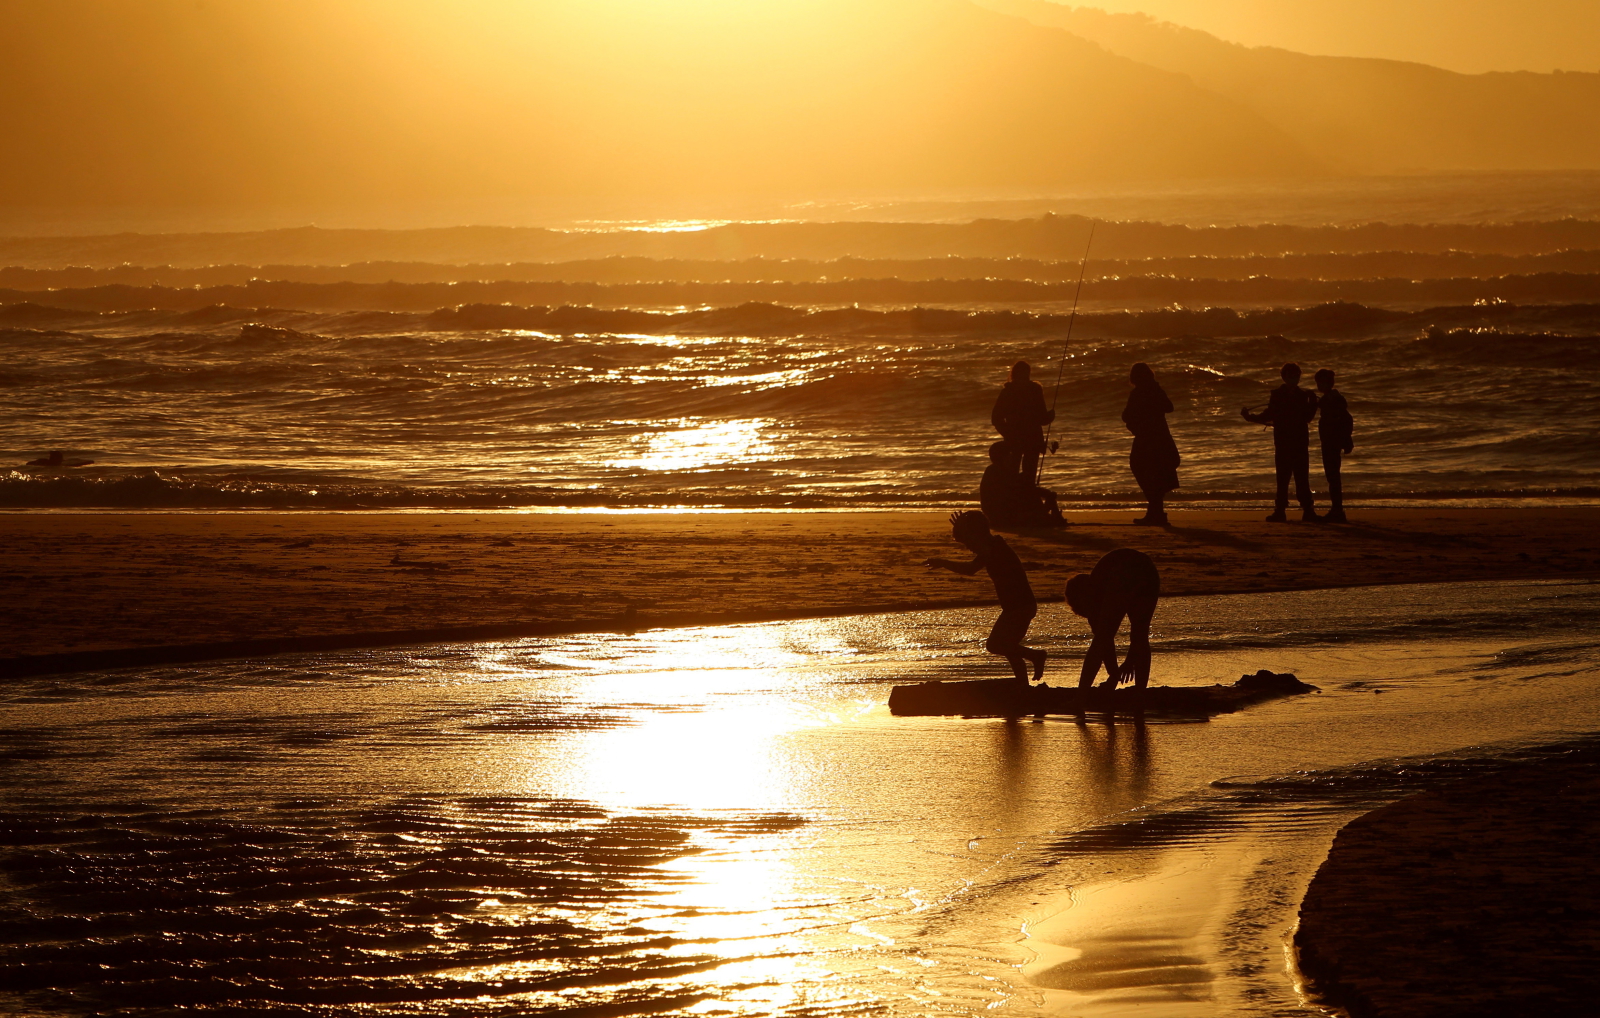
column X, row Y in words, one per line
column 1309, row 516
column 1278, row 517
column 1334, row 516
column 1147, row 521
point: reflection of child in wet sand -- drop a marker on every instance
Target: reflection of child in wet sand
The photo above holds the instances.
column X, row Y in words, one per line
column 1017, row 604
column 1123, row 584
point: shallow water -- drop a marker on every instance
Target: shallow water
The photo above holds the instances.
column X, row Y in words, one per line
column 727, row 820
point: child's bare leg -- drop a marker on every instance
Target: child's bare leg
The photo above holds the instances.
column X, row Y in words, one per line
column 1038, row 657
column 1139, row 642
column 1006, row 641
column 1019, row 667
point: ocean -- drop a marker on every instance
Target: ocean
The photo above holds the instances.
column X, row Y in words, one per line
column 761, row 405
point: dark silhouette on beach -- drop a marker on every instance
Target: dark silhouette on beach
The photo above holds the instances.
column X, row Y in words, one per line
column 1019, row 412
column 1335, row 431
column 1008, row 500
column 1289, row 412
column 1154, row 457
column 57, row 460
column 1017, row 603
column 1124, row 584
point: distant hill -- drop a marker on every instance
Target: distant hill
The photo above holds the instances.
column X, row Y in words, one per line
column 171, row 101
column 1363, row 115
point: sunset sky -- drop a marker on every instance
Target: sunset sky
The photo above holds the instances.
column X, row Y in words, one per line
column 394, row 105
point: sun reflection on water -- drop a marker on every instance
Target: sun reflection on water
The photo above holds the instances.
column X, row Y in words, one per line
column 697, row 445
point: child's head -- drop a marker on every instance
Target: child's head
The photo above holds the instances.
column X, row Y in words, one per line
column 971, row 528
column 1020, row 371
column 1081, row 595
column 997, row 452
column 1291, row 373
column 1324, row 380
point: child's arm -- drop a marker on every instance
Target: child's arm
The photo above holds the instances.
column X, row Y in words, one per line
column 964, row 568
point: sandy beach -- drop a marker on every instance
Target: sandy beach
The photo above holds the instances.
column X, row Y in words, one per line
column 118, row 582
column 97, row 581
column 1478, row 899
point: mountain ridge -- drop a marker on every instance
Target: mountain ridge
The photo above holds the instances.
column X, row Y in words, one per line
column 1363, row 114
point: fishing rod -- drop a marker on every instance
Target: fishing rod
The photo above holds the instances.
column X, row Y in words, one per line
column 1065, row 344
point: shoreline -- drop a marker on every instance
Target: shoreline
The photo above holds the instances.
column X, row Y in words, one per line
column 1475, row 899
column 132, row 583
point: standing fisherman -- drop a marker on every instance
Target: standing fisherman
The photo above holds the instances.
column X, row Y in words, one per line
column 1154, row 458
column 1019, row 412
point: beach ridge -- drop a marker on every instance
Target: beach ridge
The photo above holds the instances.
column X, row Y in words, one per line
column 118, row 582
column 1474, row 900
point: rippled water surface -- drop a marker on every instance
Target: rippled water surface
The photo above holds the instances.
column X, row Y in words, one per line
column 759, row 405
column 727, row 821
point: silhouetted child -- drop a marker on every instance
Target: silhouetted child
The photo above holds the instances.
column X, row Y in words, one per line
column 1009, row 500
column 1124, row 584
column 1336, row 431
column 1017, row 604
column 1289, row 411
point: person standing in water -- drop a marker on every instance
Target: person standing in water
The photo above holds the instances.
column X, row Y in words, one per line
column 1124, row 584
column 1154, row 458
column 1335, row 431
column 1019, row 412
column 1017, row 603
column 1289, row 412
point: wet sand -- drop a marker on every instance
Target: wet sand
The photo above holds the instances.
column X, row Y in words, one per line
column 105, row 581
column 1480, row 899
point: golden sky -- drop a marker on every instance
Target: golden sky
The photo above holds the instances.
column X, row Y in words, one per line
column 404, row 103
column 1471, row 36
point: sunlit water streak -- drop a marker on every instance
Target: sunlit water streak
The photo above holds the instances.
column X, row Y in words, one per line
column 727, row 821
column 859, row 410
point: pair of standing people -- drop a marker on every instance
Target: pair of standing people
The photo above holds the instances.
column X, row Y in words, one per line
column 1289, row 412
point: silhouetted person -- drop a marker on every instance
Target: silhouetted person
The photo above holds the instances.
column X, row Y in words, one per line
column 1336, row 432
column 1017, row 604
column 1124, row 584
column 1289, row 411
column 1154, row 458
column 1019, row 412
column 57, row 459
column 1009, row 500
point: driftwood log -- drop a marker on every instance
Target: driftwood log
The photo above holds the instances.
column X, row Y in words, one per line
column 1007, row 698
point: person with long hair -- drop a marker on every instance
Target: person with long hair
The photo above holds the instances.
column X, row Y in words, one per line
column 1154, row 457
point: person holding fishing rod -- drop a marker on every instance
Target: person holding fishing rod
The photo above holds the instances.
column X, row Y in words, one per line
column 1019, row 413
